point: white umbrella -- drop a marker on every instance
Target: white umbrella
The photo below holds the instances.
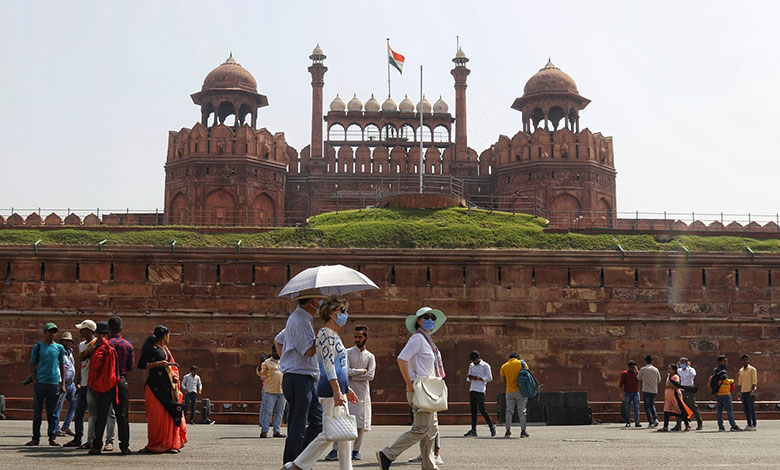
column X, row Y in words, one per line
column 329, row 280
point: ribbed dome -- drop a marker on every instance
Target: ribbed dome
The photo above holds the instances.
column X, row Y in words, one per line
column 550, row 79
column 426, row 106
column 337, row 104
column 317, row 50
column 440, row 106
column 355, row 105
column 389, row 105
column 372, row 105
column 406, row 105
column 230, row 75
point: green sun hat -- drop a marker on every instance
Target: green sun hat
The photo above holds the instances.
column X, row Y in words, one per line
column 50, row 326
column 411, row 320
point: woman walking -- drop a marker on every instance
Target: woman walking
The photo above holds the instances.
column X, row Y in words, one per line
column 419, row 358
column 673, row 402
column 165, row 424
column 333, row 386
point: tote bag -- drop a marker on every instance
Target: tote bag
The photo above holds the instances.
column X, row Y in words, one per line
column 430, row 394
column 339, row 425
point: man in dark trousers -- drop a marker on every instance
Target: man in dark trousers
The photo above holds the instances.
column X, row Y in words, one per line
column 118, row 397
column 47, row 370
column 629, row 383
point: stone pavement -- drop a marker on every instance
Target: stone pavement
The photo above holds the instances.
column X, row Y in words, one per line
column 550, row 447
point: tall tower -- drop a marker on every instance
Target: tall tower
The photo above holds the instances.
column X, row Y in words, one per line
column 317, row 70
column 460, row 163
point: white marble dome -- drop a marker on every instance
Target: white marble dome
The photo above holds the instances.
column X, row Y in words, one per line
column 355, row 105
column 389, row 105
column 337, row 104
column 440, row 107
column 406, row 105
column 372, row 105
column 425, row 105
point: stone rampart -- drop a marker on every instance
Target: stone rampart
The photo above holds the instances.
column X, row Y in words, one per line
column 577, row 317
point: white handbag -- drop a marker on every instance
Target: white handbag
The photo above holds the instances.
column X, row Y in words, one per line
column 430, row 394
column 340, row 425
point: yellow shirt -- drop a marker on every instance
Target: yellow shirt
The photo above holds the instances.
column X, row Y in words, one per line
column 747, row 378
column 509, row 371
column 273, row 376
column 725, row 387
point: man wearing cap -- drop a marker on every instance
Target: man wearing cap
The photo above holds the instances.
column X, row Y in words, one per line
column 191, row 386
column 419, row 358
column 86, row 346
column 478, row 377
column 70, row 388
column 301, row 373
column 47, row 368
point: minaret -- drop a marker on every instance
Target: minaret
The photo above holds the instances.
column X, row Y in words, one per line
column 317, row 70
column 460, row 72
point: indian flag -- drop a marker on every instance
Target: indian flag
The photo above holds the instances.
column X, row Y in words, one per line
column 396, row 59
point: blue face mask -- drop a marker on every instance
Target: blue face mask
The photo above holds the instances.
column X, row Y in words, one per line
column 428, row 324
column 683, row 366
column 341, row 319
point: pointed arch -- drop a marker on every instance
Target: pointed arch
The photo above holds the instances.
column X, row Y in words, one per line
column 220, row 208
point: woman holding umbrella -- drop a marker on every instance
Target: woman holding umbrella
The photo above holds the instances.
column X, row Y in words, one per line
column 419, row 358
column 333, row 385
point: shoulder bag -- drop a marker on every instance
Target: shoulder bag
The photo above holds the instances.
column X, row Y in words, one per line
column 339, row 425
column 430, row 394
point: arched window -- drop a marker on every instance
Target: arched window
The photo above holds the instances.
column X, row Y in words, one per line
column 372, row 133
column 336, row 133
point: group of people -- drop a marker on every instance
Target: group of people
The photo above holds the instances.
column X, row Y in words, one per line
column 97, row 383
column 680, row 393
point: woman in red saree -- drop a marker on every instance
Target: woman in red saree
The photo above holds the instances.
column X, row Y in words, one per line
column 166, row 427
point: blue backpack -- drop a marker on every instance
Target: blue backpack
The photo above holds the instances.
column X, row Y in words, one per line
column 528, row 384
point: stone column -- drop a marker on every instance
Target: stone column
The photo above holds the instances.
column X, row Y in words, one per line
column 317, row 70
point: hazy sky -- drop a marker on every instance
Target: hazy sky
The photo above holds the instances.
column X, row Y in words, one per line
column 688, row 90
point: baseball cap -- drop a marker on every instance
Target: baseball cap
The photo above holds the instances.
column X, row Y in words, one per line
column 89, row 324
column 101, row 327
column 50, row 326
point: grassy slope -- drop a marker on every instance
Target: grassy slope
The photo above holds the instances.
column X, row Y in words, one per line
column 393, row 228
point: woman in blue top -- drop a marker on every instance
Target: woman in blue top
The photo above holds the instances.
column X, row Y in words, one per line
column 333, row 386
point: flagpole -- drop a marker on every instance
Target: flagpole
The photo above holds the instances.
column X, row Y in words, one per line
column 422, row 108
column 387, row 52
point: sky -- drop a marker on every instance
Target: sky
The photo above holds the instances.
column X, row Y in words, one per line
column 687, row 90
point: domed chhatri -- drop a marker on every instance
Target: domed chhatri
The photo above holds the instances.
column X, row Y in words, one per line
column 389, row 105
column 440, row 107
column 550, row 79
column 426, row 106
column 230, row 75
column 372, row 105
column 338, row 104
column 355, row 105
column 406, row 105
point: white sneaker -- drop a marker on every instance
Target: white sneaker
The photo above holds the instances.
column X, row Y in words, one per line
column 287, row 466
column 437, row 460
column 750, row 428
column 416, row 459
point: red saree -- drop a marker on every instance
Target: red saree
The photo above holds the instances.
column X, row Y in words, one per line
column 164, row 435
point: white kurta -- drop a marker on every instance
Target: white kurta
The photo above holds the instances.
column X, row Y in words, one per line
column 358, row 381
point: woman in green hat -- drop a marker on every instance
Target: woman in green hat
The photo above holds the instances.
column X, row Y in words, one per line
column 419, row 358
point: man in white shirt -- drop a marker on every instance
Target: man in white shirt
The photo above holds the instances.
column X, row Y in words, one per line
column 649, row 378
column 479, row 375
column 191, row 386
column 687, row 374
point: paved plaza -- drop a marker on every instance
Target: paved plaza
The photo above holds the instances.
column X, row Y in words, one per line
column 550, row 447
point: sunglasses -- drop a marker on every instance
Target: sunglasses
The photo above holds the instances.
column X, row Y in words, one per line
column 429, row 316
column 343, row 309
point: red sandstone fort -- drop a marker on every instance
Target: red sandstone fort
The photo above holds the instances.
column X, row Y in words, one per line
column 577, row 317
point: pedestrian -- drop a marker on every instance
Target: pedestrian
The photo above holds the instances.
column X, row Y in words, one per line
column 86, row 346
column 300, row 369
column 362, row 366
column 687, row 374
column 630, row 386
column 722, row 386
column 748, row 382
column 649, row 378
column 191, row 386
column 673, row 404
column 273, row 395
column 47, row 369
column 419, row 358
column 515, row 401
column 70, row 388
column 110, row 362
column 478, row 376
column 333, row 384
column 166, row 427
